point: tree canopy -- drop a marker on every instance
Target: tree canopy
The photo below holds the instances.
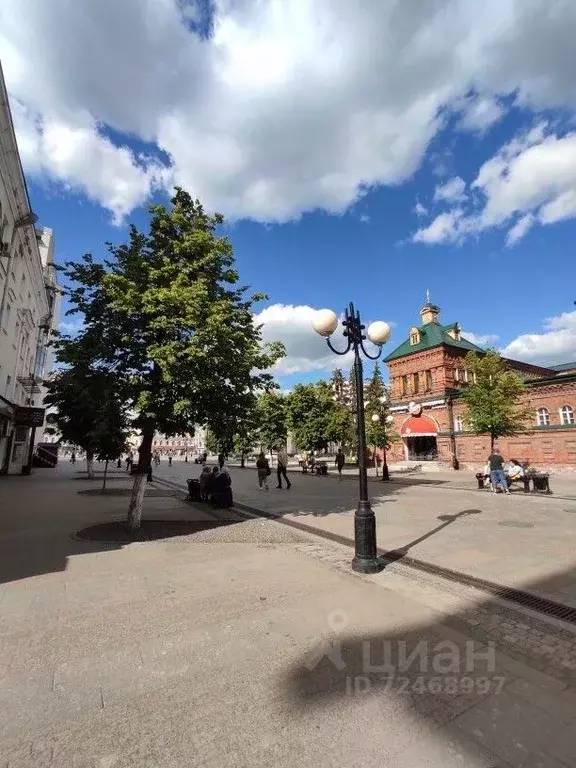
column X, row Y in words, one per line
column 270, row 420
column 167, row 315
column 90, row 411
column 315, row 419
column 492, row 397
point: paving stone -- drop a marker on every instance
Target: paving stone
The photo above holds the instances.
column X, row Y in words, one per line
column 563, row 746
column 560, row 704
column 509, row 726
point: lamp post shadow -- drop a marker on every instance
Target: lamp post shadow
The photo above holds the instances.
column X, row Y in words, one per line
column 397, row 554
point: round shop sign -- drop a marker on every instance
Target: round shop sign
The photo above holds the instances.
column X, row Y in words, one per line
column 415, row 409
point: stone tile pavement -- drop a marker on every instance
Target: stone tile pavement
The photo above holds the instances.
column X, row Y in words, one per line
column 515, row 540
column 249, row 645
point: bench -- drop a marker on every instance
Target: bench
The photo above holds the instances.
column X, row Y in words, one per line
column 318, row 467
column 540, row 481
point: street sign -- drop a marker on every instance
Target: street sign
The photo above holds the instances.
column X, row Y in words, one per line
column 29, row 417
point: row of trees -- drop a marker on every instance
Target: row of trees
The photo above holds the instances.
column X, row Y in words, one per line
column 169, row 329
column 323, row 413
column 316, row 415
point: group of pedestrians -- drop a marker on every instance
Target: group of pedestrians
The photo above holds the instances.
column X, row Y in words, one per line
column 264, row 471
column 499, row 475
column 216, row 484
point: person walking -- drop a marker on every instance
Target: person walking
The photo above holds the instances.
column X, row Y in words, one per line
column 170, row 460
column 497, row 475
column 129, row 462
column 73, row 458
column 281, row 470
column 340, row 461
column 263, row 468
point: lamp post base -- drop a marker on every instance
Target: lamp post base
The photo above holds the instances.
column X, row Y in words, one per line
column 367, row 565
column 365, row 559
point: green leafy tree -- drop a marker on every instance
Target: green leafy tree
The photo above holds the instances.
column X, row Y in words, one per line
column 90, row 411
column 167, row 314
column 339, row 388
column 110, row 433
column 374, row 391
column 310, row 415
column 212, row 443
column 341, row 427
column 492, row 398
column 245, row 438
column 270, row 419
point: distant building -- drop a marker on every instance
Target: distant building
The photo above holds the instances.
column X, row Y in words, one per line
column 181, row 445
column 428, row 372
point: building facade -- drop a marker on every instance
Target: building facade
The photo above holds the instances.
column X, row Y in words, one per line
column 28, row 303
column 427, row 373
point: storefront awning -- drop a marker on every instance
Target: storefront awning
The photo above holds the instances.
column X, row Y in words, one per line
column 419, row 426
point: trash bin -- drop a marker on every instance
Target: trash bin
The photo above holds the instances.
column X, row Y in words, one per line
column 193, row 489
column 541, row 483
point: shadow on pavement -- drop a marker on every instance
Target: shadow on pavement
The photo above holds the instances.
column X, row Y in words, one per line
column 412, row 682
column 41, row 514
column 398, row 554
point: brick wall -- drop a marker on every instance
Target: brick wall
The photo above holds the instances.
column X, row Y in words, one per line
column 545, row 447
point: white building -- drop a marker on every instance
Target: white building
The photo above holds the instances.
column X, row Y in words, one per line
column 28, row 299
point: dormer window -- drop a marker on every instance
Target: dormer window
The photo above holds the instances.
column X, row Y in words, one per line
column 414, row 336
column 455, row 332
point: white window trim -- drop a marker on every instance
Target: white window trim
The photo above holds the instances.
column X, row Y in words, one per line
column 569, row 414
column 542, row 413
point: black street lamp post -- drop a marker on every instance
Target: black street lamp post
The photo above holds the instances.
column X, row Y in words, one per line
column 325, row 323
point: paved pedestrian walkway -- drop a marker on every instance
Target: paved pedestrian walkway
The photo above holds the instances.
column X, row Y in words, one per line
column 248, row 645
column 522, row 541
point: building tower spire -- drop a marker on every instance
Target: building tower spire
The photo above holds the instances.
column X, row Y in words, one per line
column 429, row 313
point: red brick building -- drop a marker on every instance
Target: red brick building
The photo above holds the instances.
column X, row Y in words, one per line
column 427, row 372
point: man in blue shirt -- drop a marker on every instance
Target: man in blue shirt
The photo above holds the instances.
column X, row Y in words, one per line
column 497, row 475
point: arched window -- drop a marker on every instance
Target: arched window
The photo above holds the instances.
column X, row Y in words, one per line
column 567, row 414
column 543, row 417
column 458, row 424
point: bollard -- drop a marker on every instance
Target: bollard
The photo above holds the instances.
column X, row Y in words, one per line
column 480, row 479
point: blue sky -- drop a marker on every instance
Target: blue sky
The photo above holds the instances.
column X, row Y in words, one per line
column 318, row 157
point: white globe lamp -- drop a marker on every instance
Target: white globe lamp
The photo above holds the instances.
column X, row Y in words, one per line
column 379, row 332
column 325, row 322
column 375, row 418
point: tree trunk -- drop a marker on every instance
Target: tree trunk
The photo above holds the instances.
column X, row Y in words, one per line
column 242, row 460
column 491, row 443
column 105, row 473
column 139, row 487
column 90, row 465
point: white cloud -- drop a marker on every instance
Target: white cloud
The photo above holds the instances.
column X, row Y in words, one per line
column 555, row 346
column 420, row 210
column 446, row 228
column 81, row 158
column 364, row 218
column 531, row 178
column 533, row 174
column 451, row 191
column 287, row 107
column 480, row 339
column 479, row 114
column 305, row 350
column 522, row 226
column 72, row 326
